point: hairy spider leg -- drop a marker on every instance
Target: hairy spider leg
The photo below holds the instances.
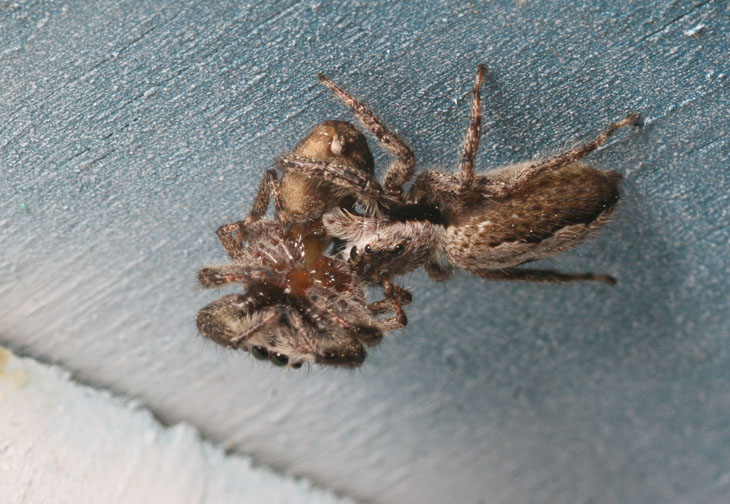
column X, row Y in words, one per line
column 473, row 132
column 566, row 158
column 399, row 319
column 436, row 271
column 395, row 298
column 212, row 277
column 272, row 316
column 540, row 275
column 398, row 172
column 244, row 231
column 268, row 188
column 446, row 185
column 209, row 317
column 398, row 293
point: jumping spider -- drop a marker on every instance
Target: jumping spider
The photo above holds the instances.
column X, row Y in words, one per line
column 300, row 305
column 297, row 308
column 486, row 224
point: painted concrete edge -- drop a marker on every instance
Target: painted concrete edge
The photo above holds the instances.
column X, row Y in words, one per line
column 66, row 442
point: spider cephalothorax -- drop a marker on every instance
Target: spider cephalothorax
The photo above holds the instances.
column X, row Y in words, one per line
column 298, row 307
column 486, row 224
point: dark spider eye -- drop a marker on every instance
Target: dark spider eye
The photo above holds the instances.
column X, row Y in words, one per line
column 368, row 249
column 279, row 359
column 260, row 353
column 398, row 248
column 296, row 365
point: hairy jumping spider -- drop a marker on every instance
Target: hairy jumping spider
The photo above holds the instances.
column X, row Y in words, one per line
column 486, row 224
column 297, row 307
column 300, row 305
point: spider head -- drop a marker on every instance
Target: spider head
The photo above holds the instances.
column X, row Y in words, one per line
column 283, row 335
column 382, row 247
column 381, row 263
column 279, row 359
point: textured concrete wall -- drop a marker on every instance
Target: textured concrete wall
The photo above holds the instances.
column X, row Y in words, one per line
column 130, row 131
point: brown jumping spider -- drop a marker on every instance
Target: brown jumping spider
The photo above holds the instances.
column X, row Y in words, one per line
column 297, row 308
column 486, row 224
column 300, row 305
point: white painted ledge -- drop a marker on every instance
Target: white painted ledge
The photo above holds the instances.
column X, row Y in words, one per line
column 62, row 442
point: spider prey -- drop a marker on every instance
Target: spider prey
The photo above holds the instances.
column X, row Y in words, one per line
column 486, row 224
column 299, row 305
column 296, row 308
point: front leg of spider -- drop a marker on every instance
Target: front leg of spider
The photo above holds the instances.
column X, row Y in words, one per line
column 397, row 296
column 364, row 264
column 399, row 171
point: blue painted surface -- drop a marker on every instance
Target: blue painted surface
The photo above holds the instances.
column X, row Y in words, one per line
column 129, row 132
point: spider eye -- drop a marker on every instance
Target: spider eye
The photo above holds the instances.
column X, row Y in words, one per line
column 296, row 365
column 279, row 359
column 260, row 353
column 368, row 249
column 398, row 248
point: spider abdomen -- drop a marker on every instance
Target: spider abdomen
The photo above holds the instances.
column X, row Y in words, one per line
column 553, row 213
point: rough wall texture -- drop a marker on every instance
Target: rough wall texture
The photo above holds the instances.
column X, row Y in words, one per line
column 129, row 131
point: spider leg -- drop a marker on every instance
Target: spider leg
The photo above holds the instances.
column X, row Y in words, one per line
column 334, row 316
column 273, row 315
column 314, row 313
column 234, row 234
column 432, row 186
column 540, row 275
column 436, row 271
column 565, row 158
column 218, row 320
column 321, row 314
column 380, row 307
column 268, row 188
column 397, row 296
column 303, row 342
column 401, row 295
column 473, row 133
column 297, row 322
column 348, row 354
column 212, row 277
column 362, row 185
column 399, row 171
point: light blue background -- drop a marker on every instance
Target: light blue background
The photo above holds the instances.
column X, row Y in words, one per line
column 129, row 131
